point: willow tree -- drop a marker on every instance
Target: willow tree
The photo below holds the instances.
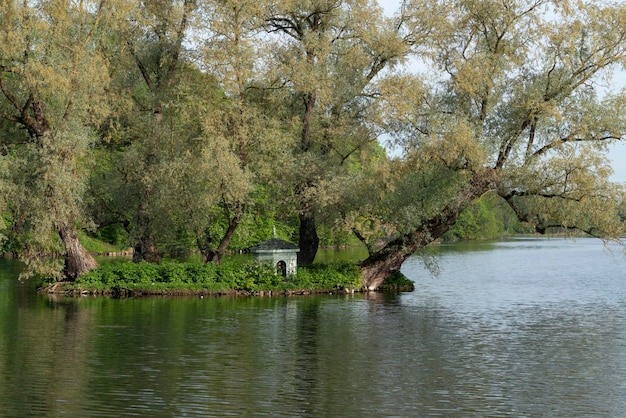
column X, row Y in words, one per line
column 237, row 137
column 326, row 55
column 513, row 101
column 52, row 78
column 152, row 66
column 152, row 178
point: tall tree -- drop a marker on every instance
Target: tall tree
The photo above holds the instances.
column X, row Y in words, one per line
column 328, row 53
column 518, row 108
column 52, row 78
column 155, row 34
column 238, row 135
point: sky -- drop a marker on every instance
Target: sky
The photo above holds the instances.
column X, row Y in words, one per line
column 617, row 151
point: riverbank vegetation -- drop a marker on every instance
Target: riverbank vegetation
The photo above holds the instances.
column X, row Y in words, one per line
column 124, row 278
column 201, row 125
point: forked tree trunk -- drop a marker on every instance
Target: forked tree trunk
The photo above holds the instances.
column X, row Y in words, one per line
column 388, row 260
column 78, row 261
column 214, row 255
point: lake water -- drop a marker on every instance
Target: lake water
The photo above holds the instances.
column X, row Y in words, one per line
column 516, row 328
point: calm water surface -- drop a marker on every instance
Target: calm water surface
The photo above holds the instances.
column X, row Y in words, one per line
column 516, row 328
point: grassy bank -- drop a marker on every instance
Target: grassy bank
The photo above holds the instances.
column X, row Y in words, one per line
column 124, row 278
column 127, row 278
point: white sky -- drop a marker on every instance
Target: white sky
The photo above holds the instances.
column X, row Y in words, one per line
column 617, row 151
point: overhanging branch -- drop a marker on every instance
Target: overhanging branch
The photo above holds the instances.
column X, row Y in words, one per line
column 515, row 193
column 572, row 138
column 542, row 226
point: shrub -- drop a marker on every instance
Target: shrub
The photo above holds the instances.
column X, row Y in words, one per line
column 397, row 283
column 329, row 276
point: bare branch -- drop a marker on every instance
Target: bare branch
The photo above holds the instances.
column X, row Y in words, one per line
column 142, row 68
column 363, row 240
column 9, row 117
column 283, row 24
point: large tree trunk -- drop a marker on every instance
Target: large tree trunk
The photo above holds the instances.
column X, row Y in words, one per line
column 214, row 255
column 78, row 261
column 309, row 241
column 146, row 250
column 388, row 260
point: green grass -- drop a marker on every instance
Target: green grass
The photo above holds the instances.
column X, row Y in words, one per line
column 193, row 277
column 94, row 245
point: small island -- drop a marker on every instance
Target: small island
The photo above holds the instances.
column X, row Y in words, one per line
column 330, row 122
column 126, row 279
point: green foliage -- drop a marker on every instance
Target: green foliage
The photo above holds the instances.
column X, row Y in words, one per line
column 397, row 282
column 257, row 227
column 148, row 276
column 332, row 236
column 9, row 242
column 329, row 276
column 248, row 277
column 489, row 217
column 114, row 235
column 94, row 245
column 477, row 222
column 622, row 211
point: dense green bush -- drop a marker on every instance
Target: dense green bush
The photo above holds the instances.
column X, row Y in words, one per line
column 329, row 276
column 114, row 235
column 397, row 283
column 249, row 277
column 487, row 218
